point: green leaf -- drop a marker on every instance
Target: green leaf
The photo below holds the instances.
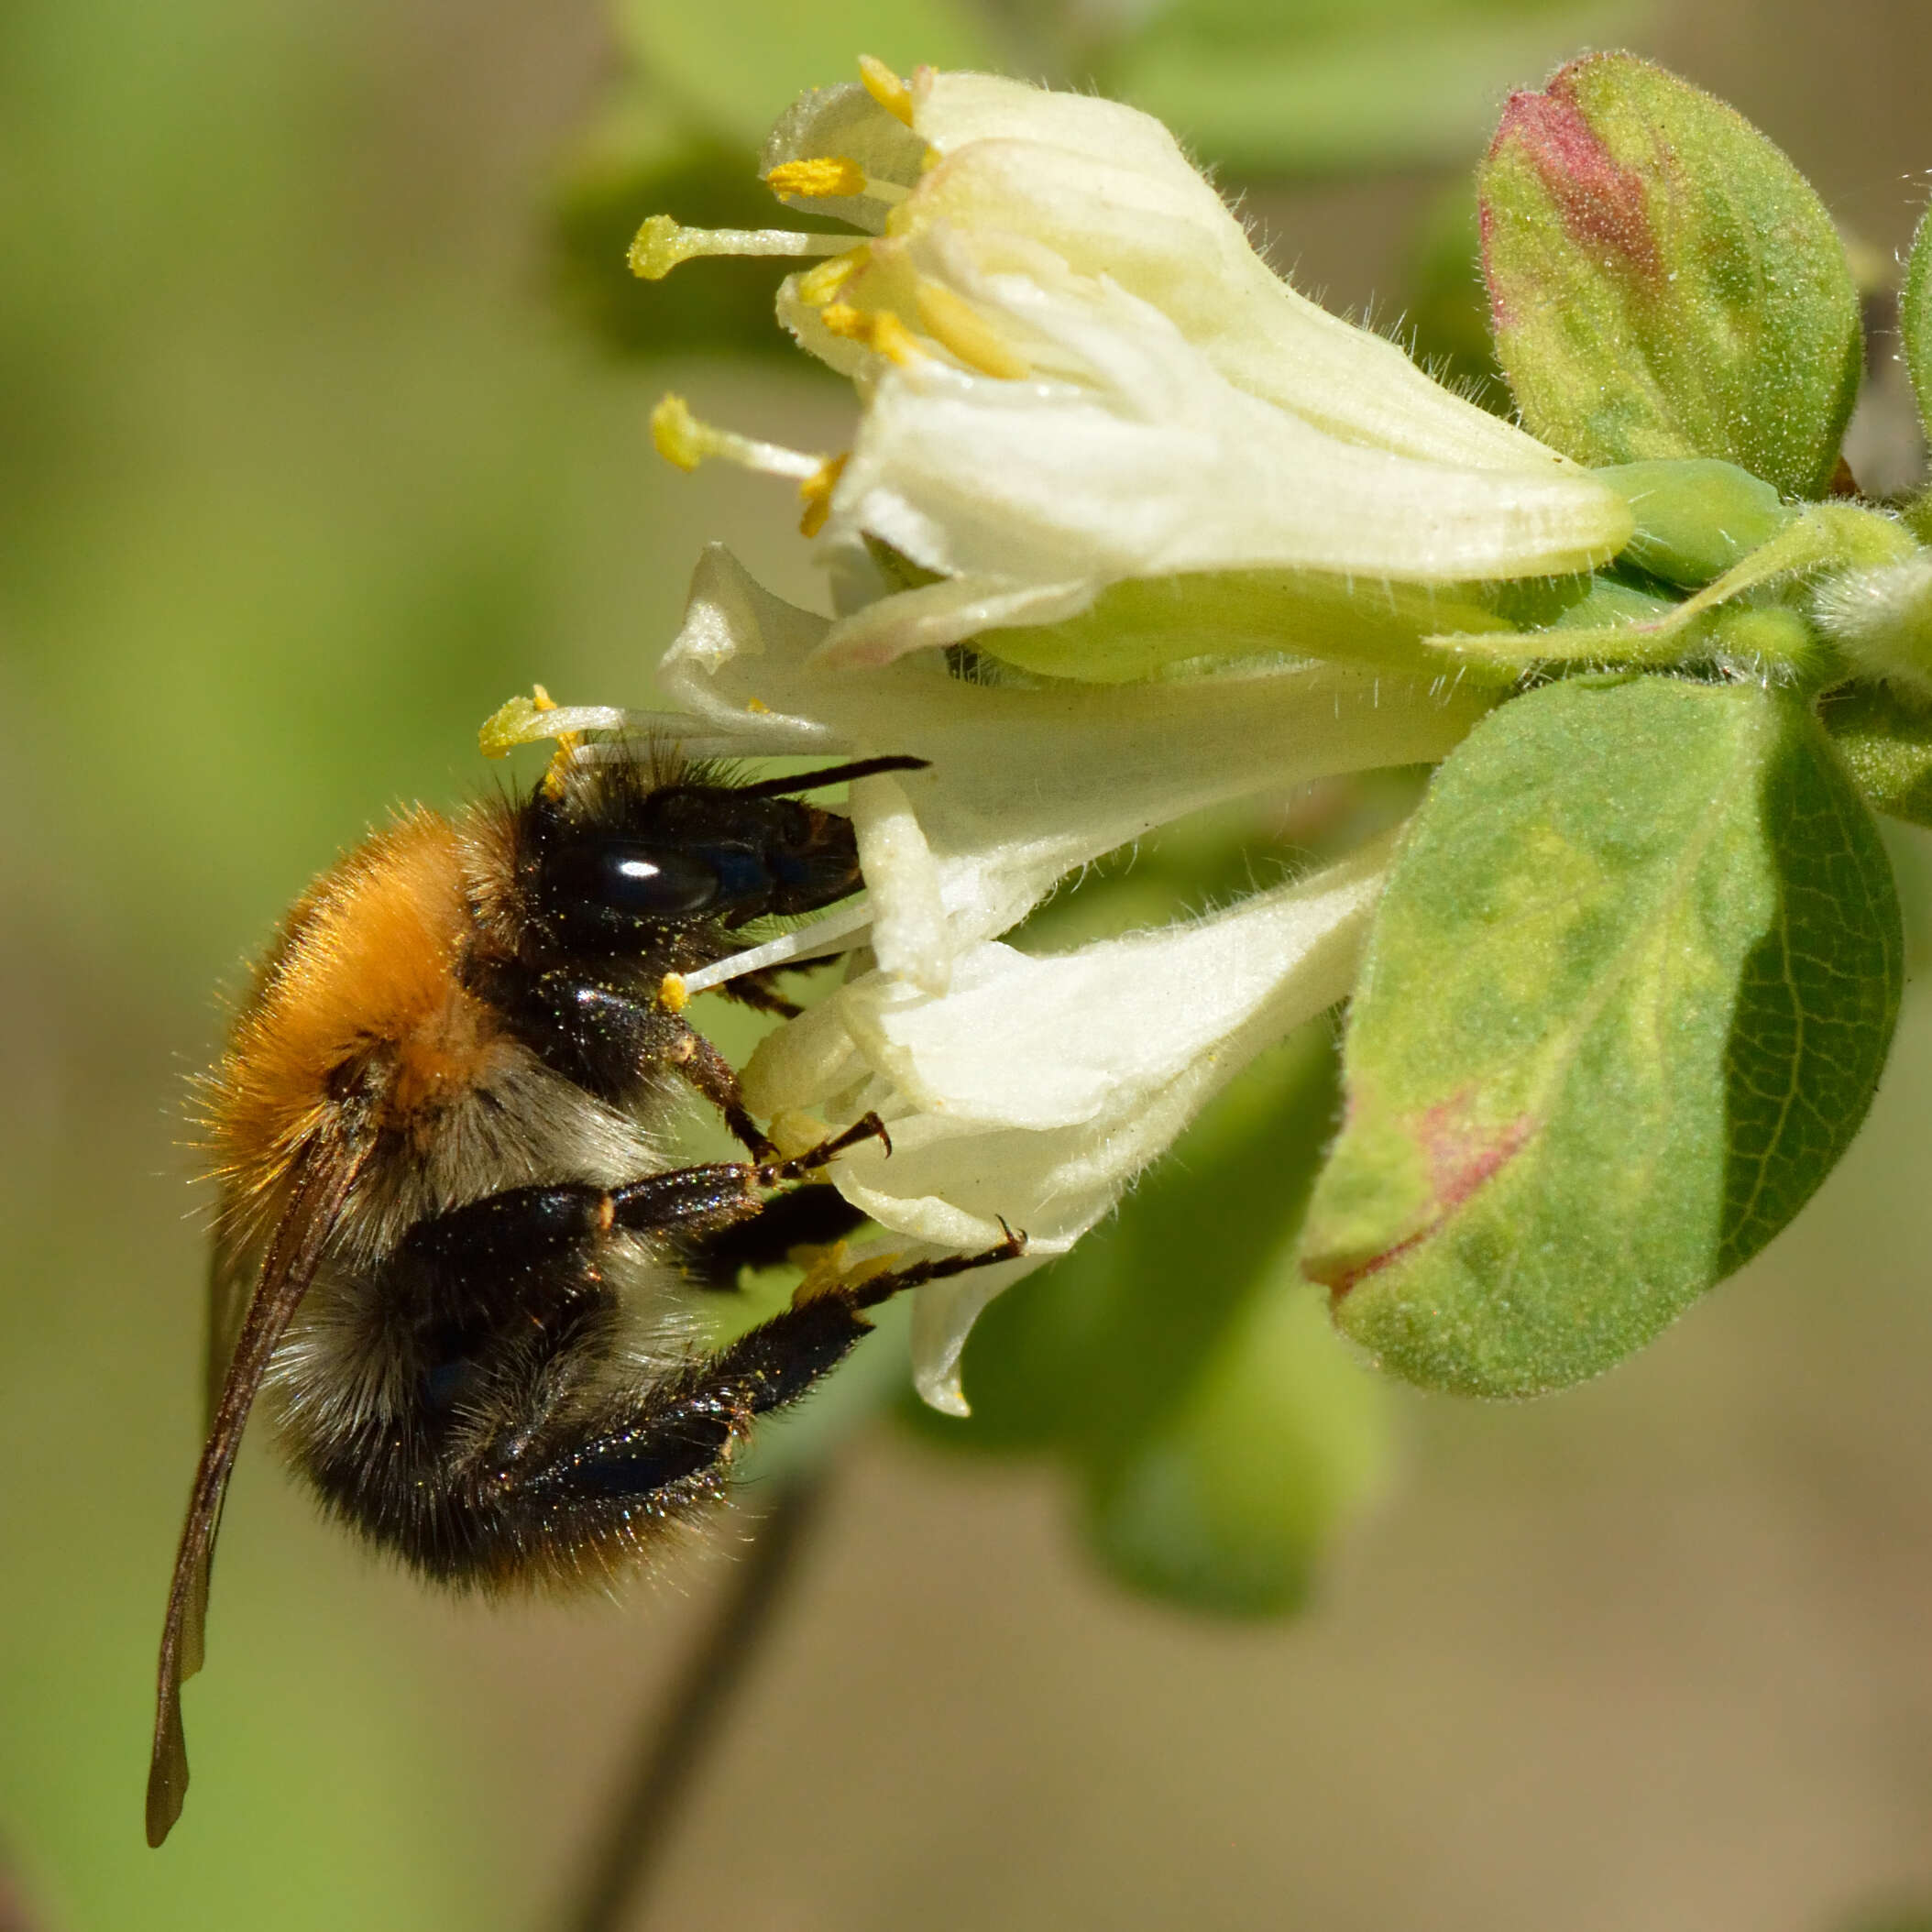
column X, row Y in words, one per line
column 1230, row 1504
column 1885, row 741
column 1664, row 282
column 1914, row 320
column 1320, row 89
column 733, row 66
column 1626, row 1002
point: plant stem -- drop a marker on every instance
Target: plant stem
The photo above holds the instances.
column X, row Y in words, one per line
column 681, row 1736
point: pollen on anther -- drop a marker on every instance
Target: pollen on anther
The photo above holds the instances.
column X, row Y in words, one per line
column 671, row 992
column 818, row 286
column 886, row 88
column 816, row 492
column 823, row 175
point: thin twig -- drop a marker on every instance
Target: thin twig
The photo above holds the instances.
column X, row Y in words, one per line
column 679, row 1739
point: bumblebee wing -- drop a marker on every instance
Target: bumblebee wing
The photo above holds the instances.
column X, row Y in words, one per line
column 289, row 1265
column 231, row 1285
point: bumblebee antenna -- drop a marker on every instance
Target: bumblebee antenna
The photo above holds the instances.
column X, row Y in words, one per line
column 833, row 775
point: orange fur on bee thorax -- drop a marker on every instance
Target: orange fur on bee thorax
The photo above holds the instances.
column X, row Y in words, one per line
column 365, row 970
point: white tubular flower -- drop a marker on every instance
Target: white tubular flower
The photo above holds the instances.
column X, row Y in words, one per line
column 1076, row 370
column 1037, row 1087
column 1024, row 784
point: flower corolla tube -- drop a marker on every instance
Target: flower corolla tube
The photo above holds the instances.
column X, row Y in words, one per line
column 1075, row 370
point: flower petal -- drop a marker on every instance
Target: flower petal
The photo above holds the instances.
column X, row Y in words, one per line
column 1025, row 786
column 1151, row 463
column 1037, row 1088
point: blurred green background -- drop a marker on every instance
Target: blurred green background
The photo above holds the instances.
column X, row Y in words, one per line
column 307, row 462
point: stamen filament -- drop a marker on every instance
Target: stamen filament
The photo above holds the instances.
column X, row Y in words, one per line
column 822, row 937
column 662, row 244
column 682, row 439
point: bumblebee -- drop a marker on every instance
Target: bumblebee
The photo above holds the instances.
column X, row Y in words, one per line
column 447, row 1244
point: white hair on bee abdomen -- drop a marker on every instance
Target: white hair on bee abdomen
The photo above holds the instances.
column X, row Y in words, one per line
column 524, row 1126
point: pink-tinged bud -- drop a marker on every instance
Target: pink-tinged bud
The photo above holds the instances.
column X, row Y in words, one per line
column 1662, row 282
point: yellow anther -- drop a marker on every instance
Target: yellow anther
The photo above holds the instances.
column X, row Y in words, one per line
column 824, row 1272
column 842, row 319
column 661, row 243
column 893, row 340
column 886, row 88
column 830, row 174
column 820, row 285
column 953, row 321
column 567, row 741
column 877, row 329
column 757, row 706
column 681, row 438
column 678, row 434
column 507, row 726
column 670, row 994
column 816, row 492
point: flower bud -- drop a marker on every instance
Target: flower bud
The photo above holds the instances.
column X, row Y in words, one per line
column 1664, row 282
column 1881, row 619
column 1696, row 518
column 1914, row 320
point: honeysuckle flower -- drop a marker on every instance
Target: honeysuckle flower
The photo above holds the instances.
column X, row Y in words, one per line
column 1024, row 785
column 1075, row 370
column 1035, row 1088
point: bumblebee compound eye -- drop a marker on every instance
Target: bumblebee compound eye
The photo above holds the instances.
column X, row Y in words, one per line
column 814, row 860
column 610, row 891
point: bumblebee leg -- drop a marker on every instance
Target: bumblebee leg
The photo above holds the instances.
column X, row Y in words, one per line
column 806, row 1217
column 674, row 1444
column 709, row 1074
column 760, row 992
column 615, row 1044
column 872, row 1290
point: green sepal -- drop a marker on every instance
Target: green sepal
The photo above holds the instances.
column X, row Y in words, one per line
column 1885, row 741
column 1820, row 538
column 1148, row 627
column 1664, row 282
column 1915, row 327
column 1626, row 1002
